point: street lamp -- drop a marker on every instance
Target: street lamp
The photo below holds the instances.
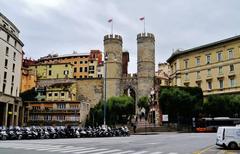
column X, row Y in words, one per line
column 105, row 88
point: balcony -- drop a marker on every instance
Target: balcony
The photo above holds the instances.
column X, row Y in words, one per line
column 55, row 111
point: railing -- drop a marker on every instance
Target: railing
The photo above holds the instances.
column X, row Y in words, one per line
column 56, row 111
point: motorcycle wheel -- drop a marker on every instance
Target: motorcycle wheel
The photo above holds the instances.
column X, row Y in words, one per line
column 19, row 137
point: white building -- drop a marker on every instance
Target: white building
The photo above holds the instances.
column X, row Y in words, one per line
column 10, row 72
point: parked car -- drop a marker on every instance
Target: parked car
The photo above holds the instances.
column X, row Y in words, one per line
column 228, row 137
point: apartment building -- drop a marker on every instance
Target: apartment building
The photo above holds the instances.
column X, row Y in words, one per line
column 57, row 105
column 10, row 73
column 52, row 70
column 214, row 67
column 85, row 65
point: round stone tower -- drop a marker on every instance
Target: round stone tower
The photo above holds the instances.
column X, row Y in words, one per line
column 145, row 63
column 113, row 49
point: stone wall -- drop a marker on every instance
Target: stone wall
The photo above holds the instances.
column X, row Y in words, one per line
column 90, row 91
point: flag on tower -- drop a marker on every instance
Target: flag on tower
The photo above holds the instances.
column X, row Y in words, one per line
column 110, row 20
column 142, row 18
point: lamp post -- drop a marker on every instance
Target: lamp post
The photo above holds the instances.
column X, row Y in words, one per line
column 105, row 88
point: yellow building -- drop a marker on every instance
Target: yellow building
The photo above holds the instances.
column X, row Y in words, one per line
column 79, row 62
column 214, row 67
column 57, row 105
column 85, row 65
column 53, row 70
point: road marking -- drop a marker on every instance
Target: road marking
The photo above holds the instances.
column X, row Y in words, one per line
column 204, row 150
column 73, row 150
column 110, row 151
column 93, row 150
column 123, row 152
column 156, row 153
column 140, row 152
column 173, row 153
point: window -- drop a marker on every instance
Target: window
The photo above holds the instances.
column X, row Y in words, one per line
column 12, row 78
column 208, row 59
column 6, row 63
column 85, row 76
column 49, row 94
column 91, row 61
column 81, row 62
column 221, row 84
column 13, row 68
column 80, row 76
column 7, row 51
column 198, row 75
column 62, row 94
column 209, row 83
column 75, row 77
column 209, row 72
column 81, row 69
column 186, row 76
column 75, row 69
column 8, row 38
column 4, row 87
column 219, row 56
column 75, row 62
column 85, row 62
column 230, row 54
column 55, row 94
column 49, row 72
column 50, row 66
column 198, row 84
column 66, row 65
column 197, row 61
column 61, row 106
column 65, row 72
column 220, row 70
column 232, row 82
column 5, row 77
column 14, row 56
column 186, row 63
column 231, row 68
column 85, row 69
column 11, row 89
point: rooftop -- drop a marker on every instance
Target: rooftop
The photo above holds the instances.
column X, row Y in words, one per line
column 181, row 52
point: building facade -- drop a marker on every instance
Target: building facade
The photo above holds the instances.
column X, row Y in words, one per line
column 57, row 105
column 52, row 70
column 10, row 72
column 163, row 73
column 85, row 65
column 214, row 67
column 28, row 78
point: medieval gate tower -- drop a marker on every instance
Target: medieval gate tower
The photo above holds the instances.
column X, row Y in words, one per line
column 116, row 82
column 113, row 50
column 145, row 63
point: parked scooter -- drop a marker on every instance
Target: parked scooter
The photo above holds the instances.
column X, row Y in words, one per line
column 3, row 133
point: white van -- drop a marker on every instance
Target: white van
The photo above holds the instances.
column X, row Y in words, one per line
column 228, row 137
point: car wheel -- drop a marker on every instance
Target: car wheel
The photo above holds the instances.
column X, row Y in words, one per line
column 232, row 145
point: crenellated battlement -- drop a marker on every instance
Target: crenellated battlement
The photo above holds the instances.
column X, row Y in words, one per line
column 113, row 36
column 145, row 35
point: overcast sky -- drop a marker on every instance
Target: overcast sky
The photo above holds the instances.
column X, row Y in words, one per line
column 63, row 26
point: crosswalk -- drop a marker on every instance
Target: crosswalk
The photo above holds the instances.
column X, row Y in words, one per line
column 64, row 149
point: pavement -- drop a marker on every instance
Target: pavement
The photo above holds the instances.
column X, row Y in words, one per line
column 160, row 143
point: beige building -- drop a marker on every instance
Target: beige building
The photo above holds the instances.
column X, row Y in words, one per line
column 10, row 72
column 214, row 67
column 163, row 73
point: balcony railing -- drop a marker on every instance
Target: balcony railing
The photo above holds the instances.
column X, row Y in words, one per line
column 56, row 111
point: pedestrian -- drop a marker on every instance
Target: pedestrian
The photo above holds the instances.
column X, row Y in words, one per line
column 134, row 128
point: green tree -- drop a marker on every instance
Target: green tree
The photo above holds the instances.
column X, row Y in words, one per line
column 143, row 102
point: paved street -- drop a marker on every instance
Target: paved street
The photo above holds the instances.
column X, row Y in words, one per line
column 163, row 143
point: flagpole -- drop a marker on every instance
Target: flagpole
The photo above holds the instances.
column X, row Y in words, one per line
column 144, row 25
column 112, row 27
